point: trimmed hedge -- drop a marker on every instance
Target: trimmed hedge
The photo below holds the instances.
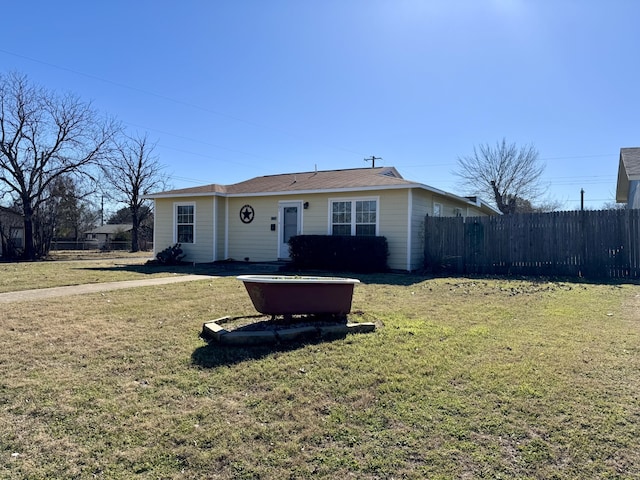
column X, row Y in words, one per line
column 339, row 253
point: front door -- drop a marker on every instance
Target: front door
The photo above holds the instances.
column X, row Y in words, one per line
column 289, row 226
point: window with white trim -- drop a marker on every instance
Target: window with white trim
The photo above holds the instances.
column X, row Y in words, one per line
column 185, row 223
column 437, row 209
column 354, row 217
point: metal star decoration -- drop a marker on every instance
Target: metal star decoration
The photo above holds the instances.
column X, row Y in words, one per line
column 246, row 214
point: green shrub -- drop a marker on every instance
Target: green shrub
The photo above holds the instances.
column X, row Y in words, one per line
column 171, row 255
column 339, row 253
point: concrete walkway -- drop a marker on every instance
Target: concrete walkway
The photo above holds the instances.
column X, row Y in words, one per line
column 44, row 293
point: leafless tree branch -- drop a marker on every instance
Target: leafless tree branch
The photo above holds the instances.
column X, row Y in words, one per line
column 133, row 171
column 44, row 136
column 504, row 173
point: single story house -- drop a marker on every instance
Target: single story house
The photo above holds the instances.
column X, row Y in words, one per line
column 106, row 233
column 628, row 187
column 11, row 231
column 253, row 220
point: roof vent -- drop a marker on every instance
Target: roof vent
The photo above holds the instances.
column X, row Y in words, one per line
column 389, row 173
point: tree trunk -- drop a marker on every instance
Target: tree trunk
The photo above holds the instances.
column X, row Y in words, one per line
column 506, row 204
column 29, row 250
column 135, row 223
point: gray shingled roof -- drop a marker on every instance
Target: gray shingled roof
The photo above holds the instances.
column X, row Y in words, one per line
column 110, row 229
column 631, row 159
column 355, row 179
column 322, row 180
column 304, row 181
column 201, row 190
column 628, row 170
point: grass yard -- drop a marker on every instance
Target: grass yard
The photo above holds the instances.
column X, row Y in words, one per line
column 468, row 378
column 75, row 268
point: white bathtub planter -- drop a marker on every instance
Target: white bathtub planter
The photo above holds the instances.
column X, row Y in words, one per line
column 320, row 304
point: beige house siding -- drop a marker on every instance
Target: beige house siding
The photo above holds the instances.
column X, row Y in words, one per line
column 315, row 218
column 392, row 221
column 163, row 224
column 220, row 233
column 165, row 230
column 219, row 246
column 422, row 205
column 202, row 248
column 394, row 225
column 255, row 241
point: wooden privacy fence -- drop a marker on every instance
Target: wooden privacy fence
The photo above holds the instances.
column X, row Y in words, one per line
column 593, row 244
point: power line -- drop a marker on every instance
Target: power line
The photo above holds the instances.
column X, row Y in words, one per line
column 171, row 99
column 263, row 126
column 579, row 156
column 190, row 180
column 129, row 87
column 205, row 156
column 196, row 140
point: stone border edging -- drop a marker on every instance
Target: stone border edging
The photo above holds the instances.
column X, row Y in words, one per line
column 213, row 331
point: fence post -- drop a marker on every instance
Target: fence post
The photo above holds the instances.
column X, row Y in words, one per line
column 582, row 263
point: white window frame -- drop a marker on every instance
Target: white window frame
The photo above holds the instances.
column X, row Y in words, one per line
column 176, row 224
column 437, row 209
column 353, row 201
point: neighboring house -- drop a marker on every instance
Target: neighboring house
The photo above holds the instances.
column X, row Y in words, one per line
column 11, row 232
column 628, row 188
column 253, row 220
column 107, row 233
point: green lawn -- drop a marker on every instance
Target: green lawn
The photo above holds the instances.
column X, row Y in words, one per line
column 464, row 378
column 81, row 268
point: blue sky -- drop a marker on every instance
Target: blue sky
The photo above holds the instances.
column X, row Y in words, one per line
column 236, row 89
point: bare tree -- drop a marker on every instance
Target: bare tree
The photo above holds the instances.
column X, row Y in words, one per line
column 133, row 172
column 44, row 136
column 612, row 205
column 70, row 209
column 542, row 206
column 506, row 174
column 145, row 230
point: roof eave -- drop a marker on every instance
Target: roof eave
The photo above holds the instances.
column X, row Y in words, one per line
column 478, row 203
column 324, row 190
column 154, row 196
column 622, row 186
column 281, row 192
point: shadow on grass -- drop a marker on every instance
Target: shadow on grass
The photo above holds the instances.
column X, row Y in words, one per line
column 215, row 355
column 231, row 269
column 234, row 268
column 152, row 269
column 221, row 269
column 408, row 279
column 280, row 335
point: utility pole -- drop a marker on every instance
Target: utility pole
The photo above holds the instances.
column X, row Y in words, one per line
column 582, row 199
column 372, row 159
